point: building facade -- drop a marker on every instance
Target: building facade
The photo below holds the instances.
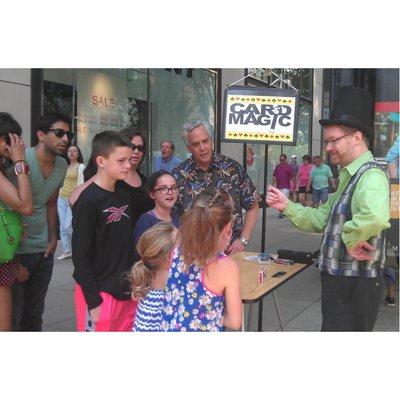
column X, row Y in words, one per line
column 159, row 101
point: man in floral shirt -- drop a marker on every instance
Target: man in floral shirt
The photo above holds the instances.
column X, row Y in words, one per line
column 204, row 169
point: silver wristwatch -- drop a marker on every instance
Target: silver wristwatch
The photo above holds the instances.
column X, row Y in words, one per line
column 244, row 241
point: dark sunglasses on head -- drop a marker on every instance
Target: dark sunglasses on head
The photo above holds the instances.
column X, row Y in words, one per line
column 60, row 133
column 139, row 148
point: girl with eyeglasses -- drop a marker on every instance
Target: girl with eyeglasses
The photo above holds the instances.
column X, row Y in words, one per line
column 162, row 188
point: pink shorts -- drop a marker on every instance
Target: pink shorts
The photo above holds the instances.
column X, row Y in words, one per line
column 115, row 315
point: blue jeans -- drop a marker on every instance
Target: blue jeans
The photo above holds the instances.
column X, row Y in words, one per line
column 65, row 216
column 320, row 195
column 28, row 297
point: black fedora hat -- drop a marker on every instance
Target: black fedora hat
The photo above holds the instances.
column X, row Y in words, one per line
column 354, row 108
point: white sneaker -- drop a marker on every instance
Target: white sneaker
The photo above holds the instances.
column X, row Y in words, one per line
column 64, row 256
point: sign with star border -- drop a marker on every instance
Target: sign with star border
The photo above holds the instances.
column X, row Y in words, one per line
column 260, row 115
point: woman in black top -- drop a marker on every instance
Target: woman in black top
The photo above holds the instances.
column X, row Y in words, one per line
column 134, row 184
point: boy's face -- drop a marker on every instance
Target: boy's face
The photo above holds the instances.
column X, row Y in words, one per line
column 117, row 164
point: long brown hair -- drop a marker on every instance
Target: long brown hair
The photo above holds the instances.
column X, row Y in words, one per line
column 153, row 247
column 202, row 225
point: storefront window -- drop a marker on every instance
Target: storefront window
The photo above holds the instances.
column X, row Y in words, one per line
column 58, row 87
column 301, row 79
column 157, row 102
column 303, row 133
column 386, row 110
column 178, row 96
column 255, row 156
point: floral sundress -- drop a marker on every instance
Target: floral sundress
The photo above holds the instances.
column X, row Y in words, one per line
column 188, row 304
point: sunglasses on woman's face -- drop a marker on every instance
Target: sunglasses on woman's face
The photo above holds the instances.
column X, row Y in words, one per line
column 60, row 133
column 140, row 148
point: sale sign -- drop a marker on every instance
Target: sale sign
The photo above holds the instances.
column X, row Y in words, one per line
column 260, row 115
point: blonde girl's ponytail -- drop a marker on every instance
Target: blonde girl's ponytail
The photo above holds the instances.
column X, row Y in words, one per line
column 141, row 280
column 154, row 246
column 202, row 224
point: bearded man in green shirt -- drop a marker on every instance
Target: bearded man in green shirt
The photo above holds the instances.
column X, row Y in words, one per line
column 352, row 253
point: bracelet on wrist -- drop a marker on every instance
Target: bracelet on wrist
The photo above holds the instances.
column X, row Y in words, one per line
column 21, row 161
column 21, row 167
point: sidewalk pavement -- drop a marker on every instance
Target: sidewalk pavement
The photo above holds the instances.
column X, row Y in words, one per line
column 299, row 299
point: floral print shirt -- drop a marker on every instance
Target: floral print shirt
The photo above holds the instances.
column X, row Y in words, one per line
column 188, row 304
column 223, row 173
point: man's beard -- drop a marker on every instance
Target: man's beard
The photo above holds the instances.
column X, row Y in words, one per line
column 55, row 152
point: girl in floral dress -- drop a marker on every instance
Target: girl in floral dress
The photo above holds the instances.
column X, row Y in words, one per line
column 148, row 276
column 203, row 290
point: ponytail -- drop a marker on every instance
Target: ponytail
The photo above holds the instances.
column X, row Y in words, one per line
column 141, row 280
column 202, row 224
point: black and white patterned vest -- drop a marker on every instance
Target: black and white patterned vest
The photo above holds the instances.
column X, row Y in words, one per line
column 334, row 258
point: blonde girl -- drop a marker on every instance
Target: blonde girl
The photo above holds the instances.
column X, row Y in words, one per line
column 203, row 290
column 148, row 276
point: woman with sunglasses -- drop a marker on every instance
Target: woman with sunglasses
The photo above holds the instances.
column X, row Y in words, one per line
column 17, row 198
column 163, row 190
column 135, row 182
column 72, row 180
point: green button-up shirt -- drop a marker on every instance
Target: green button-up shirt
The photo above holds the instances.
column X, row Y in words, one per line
column 369, row 205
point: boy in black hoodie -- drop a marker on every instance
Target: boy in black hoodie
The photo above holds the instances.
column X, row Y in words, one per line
column 102, row 241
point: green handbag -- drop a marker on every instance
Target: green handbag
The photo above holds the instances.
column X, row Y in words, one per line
column 10, row 233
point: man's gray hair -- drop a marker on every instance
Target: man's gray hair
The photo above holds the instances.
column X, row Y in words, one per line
column 191, row 126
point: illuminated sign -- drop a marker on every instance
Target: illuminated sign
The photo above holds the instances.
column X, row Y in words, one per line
column 260, row 115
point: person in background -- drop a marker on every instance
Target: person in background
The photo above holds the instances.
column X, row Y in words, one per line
column 72, row 180
column 36, row 252
column 18, row 199
column 88, row 176
column 163, row 190
column 303, row 177
column 392, row 159
column 293, row 183
column 282, row 177
column 166, row 161
column 203, row 288
column 149, row 275
column 320, row 178
column 205, row 169
column 249, row 156
column 352, row 253
column 102, row 237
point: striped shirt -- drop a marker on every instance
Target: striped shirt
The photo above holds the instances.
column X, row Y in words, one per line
column 148, row 314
